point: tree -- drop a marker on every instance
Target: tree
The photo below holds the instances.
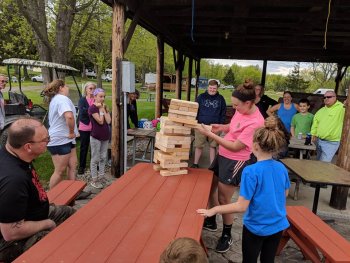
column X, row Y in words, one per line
column 51, row 22
column 294, row 82
column 229, row 78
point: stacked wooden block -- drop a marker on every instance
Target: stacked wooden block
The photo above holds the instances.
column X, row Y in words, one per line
column 174, row 138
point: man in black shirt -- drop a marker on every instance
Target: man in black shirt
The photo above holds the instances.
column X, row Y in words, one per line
column 25, row 213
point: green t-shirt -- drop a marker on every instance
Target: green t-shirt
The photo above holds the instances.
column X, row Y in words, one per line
column 302, row 123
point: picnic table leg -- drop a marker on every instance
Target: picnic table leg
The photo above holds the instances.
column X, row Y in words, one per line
column 134, row 151
column 316, row 196
column 296, row 189
column 152, row 149
column 146, row 150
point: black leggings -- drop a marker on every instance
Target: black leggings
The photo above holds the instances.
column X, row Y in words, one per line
column 253, row 245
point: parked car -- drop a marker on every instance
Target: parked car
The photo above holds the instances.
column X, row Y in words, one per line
column 90, row 73
column 38, row 78
column 107, row 77
column 321, row 91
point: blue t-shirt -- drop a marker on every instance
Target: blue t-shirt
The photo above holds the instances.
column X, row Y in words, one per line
column 264, row 184
column 286, row 116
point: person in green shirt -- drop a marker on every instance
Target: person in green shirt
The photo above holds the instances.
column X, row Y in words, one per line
column 302, row 121
column 327, row 127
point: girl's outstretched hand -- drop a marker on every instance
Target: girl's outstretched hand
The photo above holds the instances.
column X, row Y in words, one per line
column 206, row 212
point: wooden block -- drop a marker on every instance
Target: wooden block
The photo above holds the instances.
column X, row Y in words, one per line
column 179, row 156
column 174, row 107
column 186, row 113
column 172, row 139
column 166, row 165
column 174, row 117
column 175, row 130
column 184, row 103
column 175, row 149
column 156, row 167
column 170, row 173
column 165, row 121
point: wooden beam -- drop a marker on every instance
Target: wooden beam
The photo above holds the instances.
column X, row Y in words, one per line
column 263, row 75
column 131, row 31
column 117, row 56
column 189, row 78
column 179, row 67
column 160, row 73
column 198, row 73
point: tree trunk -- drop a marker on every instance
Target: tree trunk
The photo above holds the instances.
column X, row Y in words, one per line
column 339, row 194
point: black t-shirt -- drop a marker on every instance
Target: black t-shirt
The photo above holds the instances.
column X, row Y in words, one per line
column 264, row 103
column 21, row 194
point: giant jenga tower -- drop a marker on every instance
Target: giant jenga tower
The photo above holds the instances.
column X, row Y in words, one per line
column 174, row 138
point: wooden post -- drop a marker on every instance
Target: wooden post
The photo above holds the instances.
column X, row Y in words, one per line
column 339, row 194
column 263, row 75
column 117, row 56
column 189, row 78
column 160, row 73
column 198, row 72
column 179, row 67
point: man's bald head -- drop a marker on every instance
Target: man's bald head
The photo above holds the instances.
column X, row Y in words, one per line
column 22, row 131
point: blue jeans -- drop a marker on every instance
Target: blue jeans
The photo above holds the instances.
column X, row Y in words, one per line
column 326, row 150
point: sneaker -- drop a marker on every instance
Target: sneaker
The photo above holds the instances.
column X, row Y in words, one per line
column 97, row 185
column 81, row 170
column 210, row 226
column 194, row 166
column 104, row 181
column 224, row 244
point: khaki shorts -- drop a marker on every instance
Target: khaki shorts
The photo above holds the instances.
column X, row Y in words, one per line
column 201, row 140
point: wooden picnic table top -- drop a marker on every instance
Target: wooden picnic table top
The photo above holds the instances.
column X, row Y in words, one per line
column 137, row 132
column 132, row 220
column 312, row 171
column 299, row 144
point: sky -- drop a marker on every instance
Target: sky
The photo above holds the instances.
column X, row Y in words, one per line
column 273, row 67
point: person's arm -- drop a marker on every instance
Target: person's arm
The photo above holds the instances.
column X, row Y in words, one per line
column 292, row 129
column 270, row 111
column 220, row 128
column 235, row 146
column 240, row 206
column 23, row 229
column 107, row 115
column 68, row 115
column 314, row 128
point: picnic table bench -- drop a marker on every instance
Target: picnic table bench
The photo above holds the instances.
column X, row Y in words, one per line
column 314, row 237
column 65, row 192
column 132, row 220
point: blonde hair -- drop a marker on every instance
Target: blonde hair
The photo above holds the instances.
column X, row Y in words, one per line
column 87, row 84
column 183, row 250
column 53, row 88
column 271, row 137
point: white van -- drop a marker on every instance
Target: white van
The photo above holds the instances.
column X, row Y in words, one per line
column 321, row 91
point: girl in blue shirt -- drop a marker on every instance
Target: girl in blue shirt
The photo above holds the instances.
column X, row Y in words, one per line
column 263, row 192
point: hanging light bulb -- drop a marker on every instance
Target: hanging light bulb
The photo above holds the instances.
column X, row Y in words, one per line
column 227, row 34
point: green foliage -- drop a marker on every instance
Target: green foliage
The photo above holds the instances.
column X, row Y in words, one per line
column 229, row 78
column 294, row 82
column 17, row 38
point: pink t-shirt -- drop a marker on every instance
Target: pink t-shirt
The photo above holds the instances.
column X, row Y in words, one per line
column 242, row 128
column 82, row 126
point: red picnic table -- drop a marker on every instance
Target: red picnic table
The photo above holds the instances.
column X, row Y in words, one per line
column 132, row 220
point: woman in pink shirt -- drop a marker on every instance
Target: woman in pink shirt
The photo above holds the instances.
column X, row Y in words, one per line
column 234, row 153
column 84, row 123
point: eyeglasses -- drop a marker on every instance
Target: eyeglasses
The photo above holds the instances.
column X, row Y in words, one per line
column 47, row 140
column 328, row 97
column 91, row 88
column 3, row 81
